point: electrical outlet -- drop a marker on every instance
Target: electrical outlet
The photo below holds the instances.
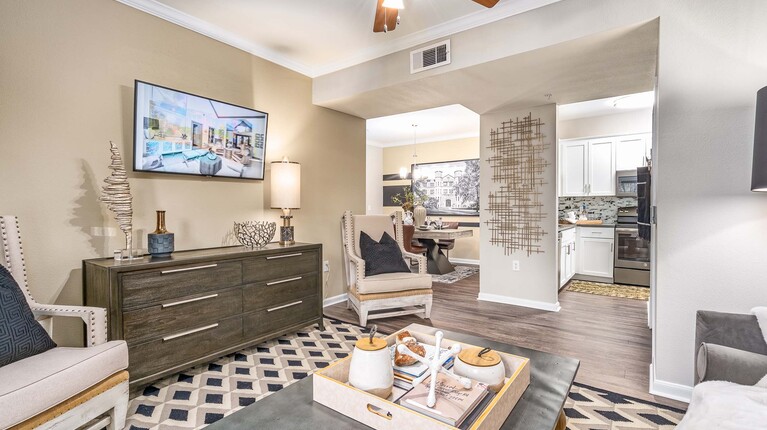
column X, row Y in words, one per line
column 515, row 265
column 326, row 266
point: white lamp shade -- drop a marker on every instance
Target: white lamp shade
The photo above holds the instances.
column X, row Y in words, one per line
column 286, row 185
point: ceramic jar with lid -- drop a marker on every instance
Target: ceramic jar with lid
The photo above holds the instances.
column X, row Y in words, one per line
column 483, row 365
column 371, row 367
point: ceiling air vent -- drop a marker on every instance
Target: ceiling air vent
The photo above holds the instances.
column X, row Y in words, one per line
column 429, row 57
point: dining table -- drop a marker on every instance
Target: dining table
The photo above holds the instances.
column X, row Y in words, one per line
column 436, row 261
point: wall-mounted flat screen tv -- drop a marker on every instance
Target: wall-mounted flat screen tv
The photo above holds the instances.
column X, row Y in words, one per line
column 181, row 133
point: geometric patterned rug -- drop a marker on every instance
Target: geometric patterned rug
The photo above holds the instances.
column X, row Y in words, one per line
column 204, row 394
column 593, row 408
column 460, row 272
column 611, row 290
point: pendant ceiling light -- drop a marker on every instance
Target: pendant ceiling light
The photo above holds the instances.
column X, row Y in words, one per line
column 416, row 171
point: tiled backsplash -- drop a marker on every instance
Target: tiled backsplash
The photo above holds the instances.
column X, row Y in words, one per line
column 604, row 208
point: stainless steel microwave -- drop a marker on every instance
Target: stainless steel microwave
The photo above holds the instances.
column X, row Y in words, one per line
column 626, row 183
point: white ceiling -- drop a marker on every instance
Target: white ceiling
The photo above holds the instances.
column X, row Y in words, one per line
column 315, row 37
column 457, row 122
column 599, row 107
column 442, row 123
column 607, row 64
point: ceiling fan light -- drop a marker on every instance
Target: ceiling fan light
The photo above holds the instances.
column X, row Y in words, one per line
column 393, row 4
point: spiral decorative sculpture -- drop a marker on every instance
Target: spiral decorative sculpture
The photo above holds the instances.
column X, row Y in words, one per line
column 116, row 194
column 254, row 234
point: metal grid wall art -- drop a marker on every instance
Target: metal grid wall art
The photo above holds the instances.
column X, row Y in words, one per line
column 517, row 162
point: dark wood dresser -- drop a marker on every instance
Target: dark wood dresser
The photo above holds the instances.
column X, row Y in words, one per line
column 199, row 305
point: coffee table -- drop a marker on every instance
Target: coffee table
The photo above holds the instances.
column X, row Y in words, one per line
column 540, row 407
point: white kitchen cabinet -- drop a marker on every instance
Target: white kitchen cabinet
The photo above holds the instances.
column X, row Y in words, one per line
column 601, row 167
column 567, row 256
column 630, row 151
column 571, row 261
column 587, row 168
column 563, row 256
column 595, row 251
column 572, row 168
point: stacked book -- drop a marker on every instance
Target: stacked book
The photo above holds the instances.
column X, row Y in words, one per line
column 456, row 405
column 404, row 375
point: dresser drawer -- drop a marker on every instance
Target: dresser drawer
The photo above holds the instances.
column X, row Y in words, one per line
column 281, row 291
column 181, row 314
column 267, row 320
column 279, row 266
column 183, row 346
column 167, row 284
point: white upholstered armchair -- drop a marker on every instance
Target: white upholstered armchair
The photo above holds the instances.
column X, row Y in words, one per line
column 370, row 296
column 62, row 387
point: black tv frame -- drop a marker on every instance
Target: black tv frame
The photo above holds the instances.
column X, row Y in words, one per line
column 135, row 119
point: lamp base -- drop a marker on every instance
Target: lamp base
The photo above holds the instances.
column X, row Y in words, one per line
column 286, row 235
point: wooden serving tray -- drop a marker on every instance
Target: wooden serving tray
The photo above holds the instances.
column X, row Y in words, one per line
column 589, row 222
column 331, row 389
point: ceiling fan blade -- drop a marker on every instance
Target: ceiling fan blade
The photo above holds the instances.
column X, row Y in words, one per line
column 383, row 15
column 487, row 3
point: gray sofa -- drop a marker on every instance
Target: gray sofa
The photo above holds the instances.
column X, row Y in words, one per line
column 729, row 347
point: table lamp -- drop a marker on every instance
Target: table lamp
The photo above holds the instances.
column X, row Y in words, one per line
column 759, row 168
column 286, row 195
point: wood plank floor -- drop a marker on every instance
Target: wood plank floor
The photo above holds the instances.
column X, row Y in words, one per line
column 608, row 335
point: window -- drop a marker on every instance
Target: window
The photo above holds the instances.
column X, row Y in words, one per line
column 448, row 203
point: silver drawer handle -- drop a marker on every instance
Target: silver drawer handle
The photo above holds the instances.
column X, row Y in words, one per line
column 181, row 302
column 186, row 269
column 188, row 332
column 283, row 281
column 274, row 257
column 285, row 306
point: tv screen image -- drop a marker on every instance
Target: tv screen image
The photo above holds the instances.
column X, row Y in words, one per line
column 178, row 132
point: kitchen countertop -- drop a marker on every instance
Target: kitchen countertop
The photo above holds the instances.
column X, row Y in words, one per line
column 569, row 226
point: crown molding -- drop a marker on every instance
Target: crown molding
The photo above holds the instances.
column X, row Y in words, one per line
column 410, row 41
column 198, row 25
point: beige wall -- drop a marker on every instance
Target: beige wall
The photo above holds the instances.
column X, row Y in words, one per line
column 373, row 180
column 448, row 150
column 535, row 284
column 634, row 122
column 66, row 89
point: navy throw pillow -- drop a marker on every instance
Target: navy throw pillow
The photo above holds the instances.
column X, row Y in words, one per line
column 383, row 256
column 20, row 335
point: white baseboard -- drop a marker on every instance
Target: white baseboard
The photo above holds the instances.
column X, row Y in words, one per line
column 464, row 261
column 669, row 390
column 552, row 307
column 335, row 299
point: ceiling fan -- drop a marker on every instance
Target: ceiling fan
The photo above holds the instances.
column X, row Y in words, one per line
column 387, row 13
